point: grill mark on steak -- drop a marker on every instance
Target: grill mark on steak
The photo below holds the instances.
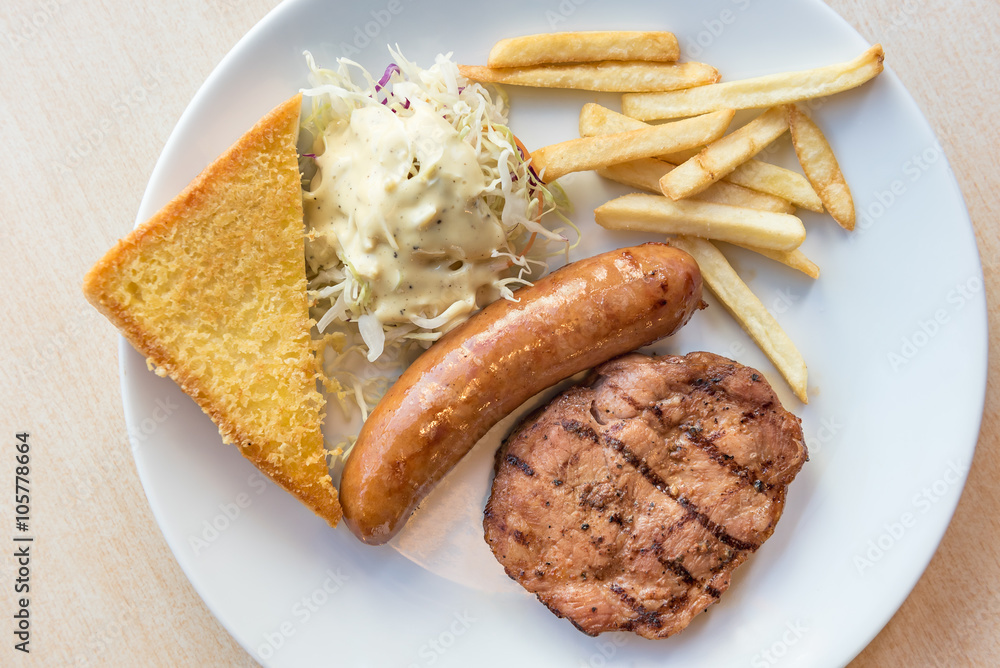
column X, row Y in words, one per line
column 643, row 616
column 674, row 565
column 519, row 463
column 756, row 413
column 654, row 479
column 678, row 569
column 712, row 591
column 624, row 396
column 679, row 524
column 744, row 474
column 711, row 385
column 716, row 530
column 674, row 603
column 581, row 430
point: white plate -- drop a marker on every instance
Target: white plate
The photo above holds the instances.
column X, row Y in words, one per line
column 894, row 333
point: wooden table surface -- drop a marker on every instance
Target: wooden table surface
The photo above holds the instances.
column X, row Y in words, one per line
column 89, row 92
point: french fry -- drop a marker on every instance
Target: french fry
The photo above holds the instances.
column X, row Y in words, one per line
column 795, row 259
column 661, row 215
column 597, row 120
column 754, row 174
column 645, row 173
column 750, row 313
column 581, row 47
column 821, row 167
column 611, row 76
column 778, row 181
column 681, row 156
column 724, row 155
column 759, row 92
column 555, row 160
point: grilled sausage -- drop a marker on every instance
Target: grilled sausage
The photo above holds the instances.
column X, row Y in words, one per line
column 575, row 318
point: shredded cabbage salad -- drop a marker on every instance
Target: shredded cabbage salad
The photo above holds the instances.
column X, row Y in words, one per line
column 514, row 198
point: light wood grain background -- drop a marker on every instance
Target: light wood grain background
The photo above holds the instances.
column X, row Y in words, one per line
column 89, row 92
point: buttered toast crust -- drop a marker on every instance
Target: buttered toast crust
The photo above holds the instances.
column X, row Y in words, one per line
column 212, row 290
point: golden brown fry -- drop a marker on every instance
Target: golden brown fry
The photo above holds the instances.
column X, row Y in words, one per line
column 750, row 313
column 759, row 92
column 646, row 173
column 754, row 174
column 581, row 47
column 724, row 155
column 555, row 160
column 598, row 120
column 661, row 215
column 612, row 76
column 795, row 259
column 821, row 167
column 778, row 181
column 681, row 156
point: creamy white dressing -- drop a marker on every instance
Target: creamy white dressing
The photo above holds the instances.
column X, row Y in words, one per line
column 396, row 199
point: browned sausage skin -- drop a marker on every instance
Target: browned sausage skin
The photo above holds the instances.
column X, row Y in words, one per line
column 575, row 318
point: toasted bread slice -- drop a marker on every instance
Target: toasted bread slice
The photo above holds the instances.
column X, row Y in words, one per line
column 212, row 290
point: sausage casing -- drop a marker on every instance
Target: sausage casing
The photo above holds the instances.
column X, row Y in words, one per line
column 576, row 317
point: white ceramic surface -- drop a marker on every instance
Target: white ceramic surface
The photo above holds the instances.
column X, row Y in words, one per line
column 894, row 333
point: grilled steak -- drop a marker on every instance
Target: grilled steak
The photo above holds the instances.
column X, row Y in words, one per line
column 627, row 502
